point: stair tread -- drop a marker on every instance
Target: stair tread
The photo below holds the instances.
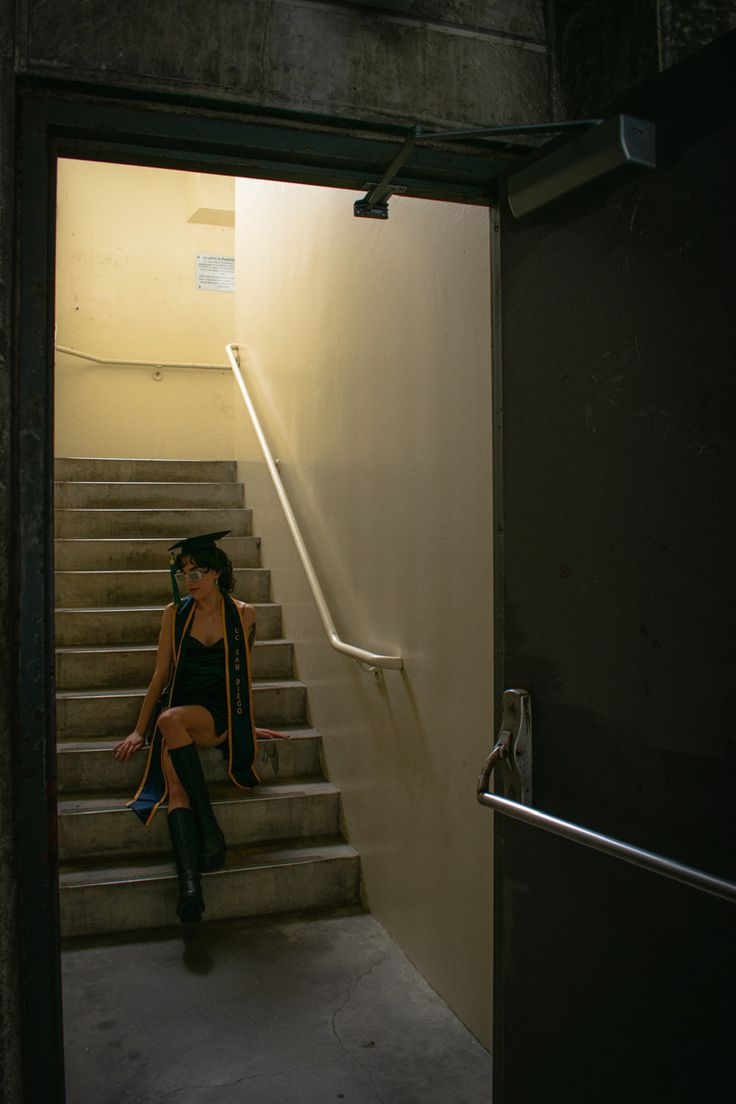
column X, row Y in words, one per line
column 136, row 483
column 179, row 510
column 244, row 857
column 172, row 462
column 295, row 732
column 133, row 570
column 147, row 609
column 107, row 649
column 133, row 691
column 154, row 540
column 220, row 793
column 136, row 540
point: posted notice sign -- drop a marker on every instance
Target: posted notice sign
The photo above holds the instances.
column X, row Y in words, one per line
column 215, row 272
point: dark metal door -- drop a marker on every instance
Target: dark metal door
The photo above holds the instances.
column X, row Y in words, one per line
column 616, row 606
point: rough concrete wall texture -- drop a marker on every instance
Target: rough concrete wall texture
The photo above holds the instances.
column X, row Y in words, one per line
column 686, row 25
column 602, row 50
column 442, row 63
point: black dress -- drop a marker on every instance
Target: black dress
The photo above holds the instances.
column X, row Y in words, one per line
column 201, row 680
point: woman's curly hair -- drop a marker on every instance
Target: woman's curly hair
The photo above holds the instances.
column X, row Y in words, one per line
column 212, row 557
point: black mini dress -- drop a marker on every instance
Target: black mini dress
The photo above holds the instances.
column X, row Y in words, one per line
column 200, row 679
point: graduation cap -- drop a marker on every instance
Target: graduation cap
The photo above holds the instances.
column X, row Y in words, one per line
column 190, row 546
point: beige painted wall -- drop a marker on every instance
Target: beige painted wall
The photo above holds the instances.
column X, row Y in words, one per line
column 126, row 288
column 368, row 349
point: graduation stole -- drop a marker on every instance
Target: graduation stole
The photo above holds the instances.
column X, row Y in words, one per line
column 241, row 745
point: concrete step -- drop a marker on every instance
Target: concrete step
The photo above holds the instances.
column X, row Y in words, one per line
column 116, row 588
column 110, row 554
column 283, row 877
column 166, row 471
column 137, row 624
column 100, row 825
column 171, row 524
column 109, row 666
column 136, row 496
column 85, row 714
column 88, row 765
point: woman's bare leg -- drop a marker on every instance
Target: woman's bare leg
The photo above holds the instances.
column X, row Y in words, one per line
column 177, row 798
column 181, row 725
column 182, row 729
column 187, row 724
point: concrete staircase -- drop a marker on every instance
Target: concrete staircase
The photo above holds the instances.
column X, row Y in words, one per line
column 114, row 520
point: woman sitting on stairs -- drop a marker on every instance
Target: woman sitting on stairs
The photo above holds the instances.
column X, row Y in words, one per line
column 200, row 694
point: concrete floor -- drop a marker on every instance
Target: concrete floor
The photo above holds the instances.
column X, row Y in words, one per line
column 286, row 1011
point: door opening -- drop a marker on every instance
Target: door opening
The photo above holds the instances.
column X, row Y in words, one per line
column 370, row 359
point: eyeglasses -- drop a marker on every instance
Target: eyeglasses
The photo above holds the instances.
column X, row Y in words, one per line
column 192, row 576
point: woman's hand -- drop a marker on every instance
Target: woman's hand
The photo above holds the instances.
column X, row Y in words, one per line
column 127, row 747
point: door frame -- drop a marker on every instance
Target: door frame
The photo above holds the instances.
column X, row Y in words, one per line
column 57, row 123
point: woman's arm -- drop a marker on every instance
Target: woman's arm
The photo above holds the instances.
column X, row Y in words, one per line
column 164, row 656
column 249, row 620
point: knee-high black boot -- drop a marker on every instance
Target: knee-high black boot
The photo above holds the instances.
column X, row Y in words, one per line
column 186, row 763
column 185, row 841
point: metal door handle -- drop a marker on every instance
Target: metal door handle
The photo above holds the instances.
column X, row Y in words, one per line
column 513, row 749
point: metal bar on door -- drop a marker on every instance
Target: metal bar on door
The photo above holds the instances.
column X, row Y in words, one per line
column 514, row 744
column 648, row 860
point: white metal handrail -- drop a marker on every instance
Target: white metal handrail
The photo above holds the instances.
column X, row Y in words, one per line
column 136, row 363
column 394, row 663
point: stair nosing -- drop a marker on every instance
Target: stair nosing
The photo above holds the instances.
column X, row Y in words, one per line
column 139, row 483
column 148, row 864
column 131, row 570
column 149, row 509
column 122, row 540
column 105, row 744
column 146, row 609
column 221, row 793
column 108, row 649
column 131, row 691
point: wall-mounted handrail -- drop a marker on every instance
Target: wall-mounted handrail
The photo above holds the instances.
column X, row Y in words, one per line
column 371, row 659
column 137, row 363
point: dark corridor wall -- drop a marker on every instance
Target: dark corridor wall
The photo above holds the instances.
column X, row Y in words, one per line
column 619, row 461
column 603, row 49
